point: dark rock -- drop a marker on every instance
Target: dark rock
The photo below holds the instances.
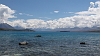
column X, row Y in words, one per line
column 38, row 36
column 23, row 43
column 62, row 46
column 82, row 43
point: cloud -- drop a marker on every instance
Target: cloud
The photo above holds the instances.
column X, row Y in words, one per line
column 65, row 12
column 30, row 23
column 5, row 13
column 44, row 18
column 92, row 5
column 20, row 13
column 70, row 12
column 19, row 23
column 89, row 18
column 25, row 14
column 56, row 11
column 28, row 14
column 94, row 9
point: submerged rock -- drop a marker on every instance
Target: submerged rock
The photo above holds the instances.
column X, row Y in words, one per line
column 17, row 54
column 82, row 43
column 23, row 43
column 62, row 46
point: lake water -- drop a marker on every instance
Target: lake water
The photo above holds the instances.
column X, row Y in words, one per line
column 50, row 44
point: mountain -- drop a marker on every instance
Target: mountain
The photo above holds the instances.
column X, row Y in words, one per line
column 76, row 29
column 18, row 27
column 5, row 26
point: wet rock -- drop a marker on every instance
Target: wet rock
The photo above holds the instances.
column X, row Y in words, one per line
column 82, row 43
column 38, row 36
column 23, row 43
column 62, row 46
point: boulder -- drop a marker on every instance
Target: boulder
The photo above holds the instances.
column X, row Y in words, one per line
column 38, row 36
column 82, row 43
column 23, row 43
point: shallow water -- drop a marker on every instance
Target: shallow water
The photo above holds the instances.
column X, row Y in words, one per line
column 50, row 44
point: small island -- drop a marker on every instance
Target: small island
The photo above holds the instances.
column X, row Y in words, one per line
column 64, row 31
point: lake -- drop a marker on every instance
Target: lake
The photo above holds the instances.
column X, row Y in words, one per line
column 50, row 44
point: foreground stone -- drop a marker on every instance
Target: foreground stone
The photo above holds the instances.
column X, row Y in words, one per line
column 23, row 43
column 82, row 43
column 38, row 36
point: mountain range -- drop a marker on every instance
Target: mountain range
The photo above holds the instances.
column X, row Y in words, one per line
column 7, row 27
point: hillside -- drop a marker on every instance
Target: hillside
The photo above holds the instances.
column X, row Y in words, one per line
column 5, row 26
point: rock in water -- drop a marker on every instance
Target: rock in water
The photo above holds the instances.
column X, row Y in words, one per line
column 23, row 43
column 38, row 36
column 82, row 43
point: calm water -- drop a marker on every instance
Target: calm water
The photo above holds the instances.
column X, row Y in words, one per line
column 50, row 44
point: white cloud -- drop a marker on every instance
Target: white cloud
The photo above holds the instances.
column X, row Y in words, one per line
column 44, row 18
column 94, row 9
column 25, row 14
column 70, row 12
column 20, row 13
column 20, row 23
column 56, row 11
column 28, row 14
column 65, row 12
column 92, row 5
column 89, row 18
column 5, row 13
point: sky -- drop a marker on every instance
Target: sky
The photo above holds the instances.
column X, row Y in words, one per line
column 52, row 9
column 50, row 14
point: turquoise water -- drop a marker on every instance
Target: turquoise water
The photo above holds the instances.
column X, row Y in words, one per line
column 50, row 44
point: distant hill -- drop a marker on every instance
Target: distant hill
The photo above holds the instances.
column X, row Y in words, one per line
column 5, row 26
column 76, row 29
